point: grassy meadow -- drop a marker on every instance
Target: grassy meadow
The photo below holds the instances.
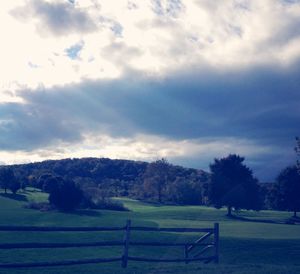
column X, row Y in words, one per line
column 245, row 246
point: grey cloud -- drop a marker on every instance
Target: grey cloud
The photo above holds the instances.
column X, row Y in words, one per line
column 56, row 18
column 290, row 2
column 265, row 167
column 32, row 126
column 121, row 53
column 113, row 25
column 65, row 18
column 282, row 36
column 172, row 8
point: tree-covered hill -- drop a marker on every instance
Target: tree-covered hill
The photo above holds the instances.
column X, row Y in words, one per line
column 121, row 178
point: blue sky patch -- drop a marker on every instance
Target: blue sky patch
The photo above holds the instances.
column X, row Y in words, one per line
column 74, row 50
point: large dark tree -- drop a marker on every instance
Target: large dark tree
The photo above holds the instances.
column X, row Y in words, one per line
column 51, row 183
column 8, row 180
column 233, row 185
column 66, row 195
column 287, row 190
column 14, row 186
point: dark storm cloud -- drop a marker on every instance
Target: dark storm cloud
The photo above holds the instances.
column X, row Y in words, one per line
column 27, row 127
column 260, row 105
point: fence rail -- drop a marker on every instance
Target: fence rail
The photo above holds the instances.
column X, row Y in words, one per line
column 83, row 229
column 188, row 248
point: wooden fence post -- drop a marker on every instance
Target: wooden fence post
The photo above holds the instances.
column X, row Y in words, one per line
column 216, row 242
column 126, row 244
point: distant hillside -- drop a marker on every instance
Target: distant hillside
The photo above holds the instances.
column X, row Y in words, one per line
column 120, row 178
column 94, row 168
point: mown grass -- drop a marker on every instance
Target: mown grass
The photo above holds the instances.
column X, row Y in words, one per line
column 246, row 247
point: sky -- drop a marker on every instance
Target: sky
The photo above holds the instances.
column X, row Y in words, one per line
column 185, row 80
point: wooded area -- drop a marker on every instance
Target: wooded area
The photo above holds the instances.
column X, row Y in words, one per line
column 91, row 182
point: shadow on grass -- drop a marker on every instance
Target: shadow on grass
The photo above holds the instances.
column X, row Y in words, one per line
column 47, row 207
column 290, row 221
column 17, row 197
column 85, row 212
column 269, row 251
column 295, row 219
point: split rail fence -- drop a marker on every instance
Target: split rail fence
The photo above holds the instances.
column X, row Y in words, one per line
column 190, row 253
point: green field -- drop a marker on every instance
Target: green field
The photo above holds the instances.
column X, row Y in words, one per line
column 245, row 246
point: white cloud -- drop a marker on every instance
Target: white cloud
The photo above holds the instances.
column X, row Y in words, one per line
column 140, row 147
column 154, row 37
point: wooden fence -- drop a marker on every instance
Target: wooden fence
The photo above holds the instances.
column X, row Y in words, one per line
column 211, row 234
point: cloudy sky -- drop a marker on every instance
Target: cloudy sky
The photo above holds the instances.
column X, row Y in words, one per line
column 188, row 80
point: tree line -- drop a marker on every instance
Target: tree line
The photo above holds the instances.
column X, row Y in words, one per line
column 90, row 182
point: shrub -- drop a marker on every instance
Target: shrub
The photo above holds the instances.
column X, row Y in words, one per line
column 42, row 206
column 107, row 203
column 96, row 198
